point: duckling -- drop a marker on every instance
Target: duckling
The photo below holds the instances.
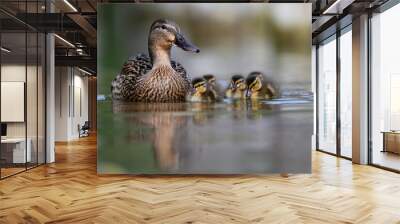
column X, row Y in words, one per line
column 215, row 88
column 201, row 92
column 236, row 88
column 156, row 78
column 257, row 88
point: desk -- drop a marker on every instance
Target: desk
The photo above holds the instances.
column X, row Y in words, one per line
column 15, row 148
column 391, row 141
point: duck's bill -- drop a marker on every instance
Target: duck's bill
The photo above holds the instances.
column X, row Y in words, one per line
column 232, row 86
column 183, row 43
column 248, row 93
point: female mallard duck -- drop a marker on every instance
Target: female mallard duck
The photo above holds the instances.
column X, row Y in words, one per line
column 258, row 88
column 213, row 85
column 201, row 91
column 155, row 78
column 236, row 88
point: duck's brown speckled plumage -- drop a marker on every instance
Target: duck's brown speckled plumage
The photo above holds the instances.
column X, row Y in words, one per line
column 156, row 78
column 135, row 84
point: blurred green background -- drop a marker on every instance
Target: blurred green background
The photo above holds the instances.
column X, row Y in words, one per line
column 233, row 38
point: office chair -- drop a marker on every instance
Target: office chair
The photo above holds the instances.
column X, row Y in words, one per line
column 84, row 130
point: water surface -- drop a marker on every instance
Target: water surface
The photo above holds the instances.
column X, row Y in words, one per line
column 205, row 138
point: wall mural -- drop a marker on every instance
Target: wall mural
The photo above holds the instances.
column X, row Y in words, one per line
column 204, row 88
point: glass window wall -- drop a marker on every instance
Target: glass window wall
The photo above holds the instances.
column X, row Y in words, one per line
column 327, row 95
column 346, row 93
column 385, row 89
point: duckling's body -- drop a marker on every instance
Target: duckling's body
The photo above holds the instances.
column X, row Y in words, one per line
column 236, row 88
column 213, row 86
column 155, row 78
column 234, row 94
column 201, row 91
column 258, row 88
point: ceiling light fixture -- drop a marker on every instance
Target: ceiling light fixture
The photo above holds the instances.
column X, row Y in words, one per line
column 70, row 5
column 338, row 6
column 5, row 50
column 64, row 40
column 80, row 51
column 84, row 71
column 327, row 11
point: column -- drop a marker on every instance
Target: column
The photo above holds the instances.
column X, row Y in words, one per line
column 360, row 90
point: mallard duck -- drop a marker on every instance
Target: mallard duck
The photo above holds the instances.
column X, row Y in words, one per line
column 258, row 88
column 237, row 88
column 156, row 78
column 213, row 85
column 201, row 91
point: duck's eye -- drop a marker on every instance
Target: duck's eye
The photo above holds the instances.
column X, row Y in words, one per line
column 164, row 27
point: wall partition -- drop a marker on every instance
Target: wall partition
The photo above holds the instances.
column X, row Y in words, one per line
column 13, row 104
column 22, row 88
column 71, row 102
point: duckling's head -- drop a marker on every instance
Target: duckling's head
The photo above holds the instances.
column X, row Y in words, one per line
column 237, row 83
column 254, row 81
column 199, row 85
column 210, row 78
column 164, row 34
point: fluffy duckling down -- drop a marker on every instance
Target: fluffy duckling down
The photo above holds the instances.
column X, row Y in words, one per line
column 201, row 91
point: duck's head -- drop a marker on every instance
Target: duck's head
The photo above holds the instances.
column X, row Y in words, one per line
column 254, row 81
column 164, row 34
column 199, row 85
column 210, row 78
column 237, row 83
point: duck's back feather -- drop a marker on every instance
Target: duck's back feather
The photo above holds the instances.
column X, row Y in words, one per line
column 136, row 66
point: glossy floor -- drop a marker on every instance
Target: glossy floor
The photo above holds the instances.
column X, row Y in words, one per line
column 70, row 191
column 387, row 159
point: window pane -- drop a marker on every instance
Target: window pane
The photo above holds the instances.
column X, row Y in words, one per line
column 13, row 86
column 327, row 96
column 386, row 89
column 346, row 93
column 23, row 87
column 31, row 97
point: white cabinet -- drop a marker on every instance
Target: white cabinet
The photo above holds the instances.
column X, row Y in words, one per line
column 17, row 145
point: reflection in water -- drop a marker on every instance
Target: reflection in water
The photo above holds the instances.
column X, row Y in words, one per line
column 230, row 137
column 256, row 108
column 160, row 118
